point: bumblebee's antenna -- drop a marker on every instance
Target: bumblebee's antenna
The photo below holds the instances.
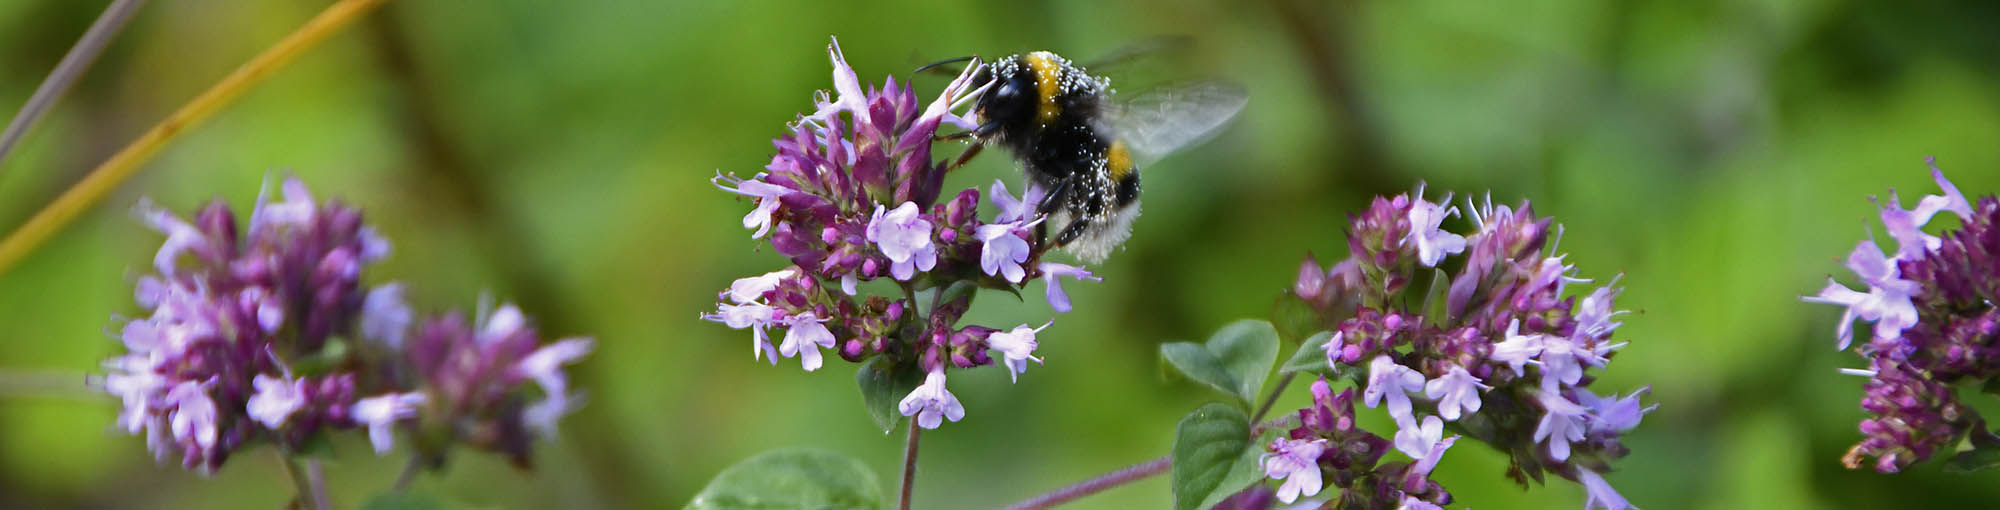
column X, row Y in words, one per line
column 932, row 65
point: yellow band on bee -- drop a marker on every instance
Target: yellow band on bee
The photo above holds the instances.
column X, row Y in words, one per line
column 1118, row 160
column 1048, row 83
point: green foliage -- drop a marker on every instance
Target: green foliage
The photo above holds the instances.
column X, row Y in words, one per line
column 883, row 385
column 403, row 500
column 1214, row 456
column 1311, row 356
column 1234, row 361
column 794, row 479
column 1294, row 318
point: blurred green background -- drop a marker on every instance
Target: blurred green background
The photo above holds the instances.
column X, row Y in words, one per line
column 1719, row 154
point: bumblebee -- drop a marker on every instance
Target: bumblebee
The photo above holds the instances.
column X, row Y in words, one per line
column 1071, row 139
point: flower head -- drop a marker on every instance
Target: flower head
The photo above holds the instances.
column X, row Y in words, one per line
column 1296, row 461
column 904, row 236
column 931, row 403
column 1456, row 391
column 381, row 413
column 853, row 195
column 276, row 400
column 1432, row 244
column 1562, row 423
column 234, row 310
column 1016, row 348
column 1393, row 383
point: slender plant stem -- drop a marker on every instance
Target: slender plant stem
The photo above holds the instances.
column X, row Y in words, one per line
column 316, row 481
column 909, row 465
column 409, row 473
column 122, row 165
column 1273, row 397
column 1078, row 490
column 301, row 484
column 1124, row 476
column 79, row 58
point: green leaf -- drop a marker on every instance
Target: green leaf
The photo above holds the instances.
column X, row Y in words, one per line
column 1235, row 360
column 1294, row 318
column 792, row 479
column 332, row 354
column 883, row 385
column 1213, row 457
column 958, row 289
column 1435, row 298
column 1311, row 357
column 404, row 500
column 1976, row 459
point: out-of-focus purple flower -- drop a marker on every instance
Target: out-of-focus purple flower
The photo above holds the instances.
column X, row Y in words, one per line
column 380, row 415
column 805, row 336
column 1457, row 390
column 1413, row 503
column 1016, row 348
column 1392, row 382
column 544, row 366
column 1296, row 462
column 1598, row 494
column 904, row 236
column 1562, row 423
column 385, row 316
column 1054, row 272
column 194, row 414
column 1425, row 217
column 209, row 370
column 931, row 403
column 276, row 399
column 181, row 236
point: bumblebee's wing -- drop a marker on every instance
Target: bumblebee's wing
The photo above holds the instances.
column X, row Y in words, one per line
column 1159, row 121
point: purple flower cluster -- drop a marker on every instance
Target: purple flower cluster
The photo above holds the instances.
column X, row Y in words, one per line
column 1493, row 350
column 269, row 335
column 1329, row 448
column 1936, row 327
column 858, row 199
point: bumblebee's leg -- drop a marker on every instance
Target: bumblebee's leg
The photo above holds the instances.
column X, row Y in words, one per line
column 961, row 135
column 1073, row 230
column 1048, row 205
column 1054, row 199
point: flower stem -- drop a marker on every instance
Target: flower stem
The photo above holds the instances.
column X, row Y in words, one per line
column 1273, row 397
column 300, row 483
column 1078, row 490
column 66, row 207
column 909, row 465
column 316, row 482
column 1124, row 476
column 409, row 473
column 79, row 58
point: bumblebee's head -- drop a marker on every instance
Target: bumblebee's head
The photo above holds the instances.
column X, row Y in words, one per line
column 1012, row 98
